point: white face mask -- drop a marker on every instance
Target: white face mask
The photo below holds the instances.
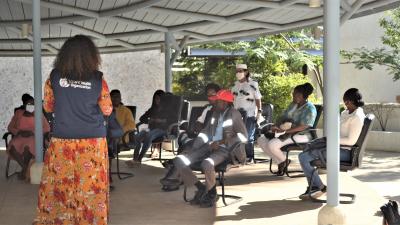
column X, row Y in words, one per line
column 30, row 108
column 240, row 75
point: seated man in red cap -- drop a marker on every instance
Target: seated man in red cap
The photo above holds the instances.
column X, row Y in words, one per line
column 222, row 139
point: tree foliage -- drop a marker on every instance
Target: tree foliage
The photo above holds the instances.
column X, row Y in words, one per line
column 388, row 56
column 275, row 61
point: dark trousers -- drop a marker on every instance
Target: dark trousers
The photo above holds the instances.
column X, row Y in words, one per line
column 209, row 160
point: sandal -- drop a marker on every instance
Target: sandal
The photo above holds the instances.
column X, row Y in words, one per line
column 282, row 167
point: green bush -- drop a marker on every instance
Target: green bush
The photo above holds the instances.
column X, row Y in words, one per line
column 277, row 90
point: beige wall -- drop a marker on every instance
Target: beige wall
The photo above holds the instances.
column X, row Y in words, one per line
column 136, row 74
column 376, row 85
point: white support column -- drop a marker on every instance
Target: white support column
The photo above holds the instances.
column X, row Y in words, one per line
column 331, row 214
column 37, row 73
column 168, row 66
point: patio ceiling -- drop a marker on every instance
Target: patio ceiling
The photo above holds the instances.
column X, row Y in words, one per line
column 131, row 25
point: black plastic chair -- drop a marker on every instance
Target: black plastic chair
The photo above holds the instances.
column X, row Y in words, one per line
column 133, row 110
column 220, row 169
column 173, row 107
column 299, row 147
column 357, row 154
column 7, row 138
column 189, row 126
column 120, row 145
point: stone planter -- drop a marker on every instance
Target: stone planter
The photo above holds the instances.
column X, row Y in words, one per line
column 384, row 141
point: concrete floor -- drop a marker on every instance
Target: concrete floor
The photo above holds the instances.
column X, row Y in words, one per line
column 267, row 199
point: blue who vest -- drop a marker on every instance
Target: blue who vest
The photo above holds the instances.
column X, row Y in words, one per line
column 77, row 114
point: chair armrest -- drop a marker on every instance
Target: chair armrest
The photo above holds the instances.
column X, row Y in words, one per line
column 309, row 130
column 171, row 127
column 5, row 136
column 184, row 125
column 138, row 125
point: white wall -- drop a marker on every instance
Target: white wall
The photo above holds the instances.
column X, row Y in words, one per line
column 136, row 74
column 376, row 85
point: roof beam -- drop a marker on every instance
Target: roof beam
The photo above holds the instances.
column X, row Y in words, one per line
column 98, row 35
column 263, row 3
column 219, row 37
column 129, row 8
column 376, row 4
column 345, row 5
column 181, row 45
column 30, row 38
column 110, row 14
column 356, row 6
column 54, row 20
column 236, row 18
column 105, row 14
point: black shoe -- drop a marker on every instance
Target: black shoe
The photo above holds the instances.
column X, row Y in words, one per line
column 282, row 167
column 170, row 182
column 198, row 196
column 315, row 192
column 208, row 200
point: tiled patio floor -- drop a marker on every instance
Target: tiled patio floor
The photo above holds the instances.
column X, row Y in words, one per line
column 267, row 199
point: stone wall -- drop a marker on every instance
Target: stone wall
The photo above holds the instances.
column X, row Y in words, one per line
column 136, row 74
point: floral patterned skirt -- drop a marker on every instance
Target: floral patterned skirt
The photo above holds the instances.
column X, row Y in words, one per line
column 74, row 186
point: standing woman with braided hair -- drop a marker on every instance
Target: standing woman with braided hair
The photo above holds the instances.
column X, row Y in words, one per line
column 74, row 186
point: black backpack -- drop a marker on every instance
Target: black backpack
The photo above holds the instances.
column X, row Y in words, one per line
column 390, row 212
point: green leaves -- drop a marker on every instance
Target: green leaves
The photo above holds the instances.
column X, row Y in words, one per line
column 388, row 56
column 364, row 58
column 269, row 58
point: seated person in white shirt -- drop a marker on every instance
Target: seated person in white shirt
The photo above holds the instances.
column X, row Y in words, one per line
column 351, row 123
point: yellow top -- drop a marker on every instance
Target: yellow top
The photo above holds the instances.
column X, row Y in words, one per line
column 125, row 118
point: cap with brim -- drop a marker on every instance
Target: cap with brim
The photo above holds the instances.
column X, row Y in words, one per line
column 241, row 66
column 224, row 95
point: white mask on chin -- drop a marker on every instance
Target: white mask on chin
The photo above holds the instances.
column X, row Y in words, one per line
column 239, row 76
column 30, row 108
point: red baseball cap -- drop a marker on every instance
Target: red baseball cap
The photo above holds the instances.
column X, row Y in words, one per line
column 224, row 95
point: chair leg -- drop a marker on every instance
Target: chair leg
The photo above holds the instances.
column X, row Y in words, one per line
column 221, row 176
column 270, row 167
column 8, row 169
column 159, row 152
column 119, row 173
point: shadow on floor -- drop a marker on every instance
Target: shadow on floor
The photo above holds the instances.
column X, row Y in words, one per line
column 269, row 209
